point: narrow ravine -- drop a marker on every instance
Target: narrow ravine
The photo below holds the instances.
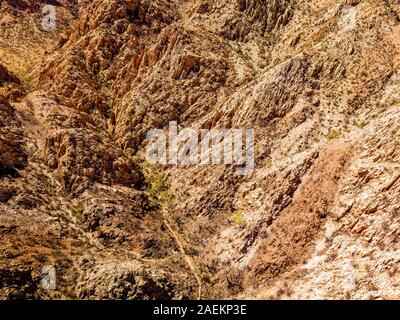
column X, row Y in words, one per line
column 186, row 257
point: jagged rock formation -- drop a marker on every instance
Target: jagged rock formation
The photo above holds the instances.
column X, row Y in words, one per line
column 10, row 86
column 318, row 217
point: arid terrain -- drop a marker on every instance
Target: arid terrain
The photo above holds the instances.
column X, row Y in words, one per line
column 318, row 81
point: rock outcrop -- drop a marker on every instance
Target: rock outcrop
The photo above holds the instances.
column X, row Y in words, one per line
column 317, row 81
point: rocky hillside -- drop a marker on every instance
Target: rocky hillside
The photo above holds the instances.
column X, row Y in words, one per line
column 318, row 218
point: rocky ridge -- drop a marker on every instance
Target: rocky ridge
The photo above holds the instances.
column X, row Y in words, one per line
column 317, row 218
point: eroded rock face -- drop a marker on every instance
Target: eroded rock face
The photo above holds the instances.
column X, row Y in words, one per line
column 78, row 152
column 317, row 218
column 131, row 281
column 103, row 50
column 10, row 86
column 12, row 155
column 260, row 16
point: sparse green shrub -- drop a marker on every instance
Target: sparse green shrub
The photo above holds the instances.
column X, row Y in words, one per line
column 359, row 123
column 238, row 219
column 334, row 134
column 129, row 152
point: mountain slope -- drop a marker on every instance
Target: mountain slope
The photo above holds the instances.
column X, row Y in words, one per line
column 318, row 217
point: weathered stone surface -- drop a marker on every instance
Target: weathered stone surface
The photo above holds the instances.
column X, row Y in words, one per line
column 318, row 217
